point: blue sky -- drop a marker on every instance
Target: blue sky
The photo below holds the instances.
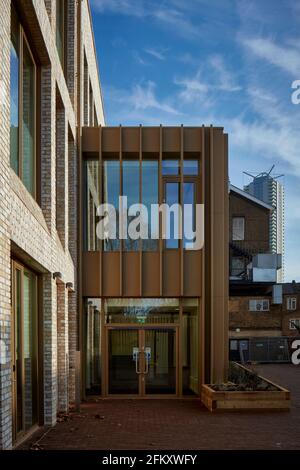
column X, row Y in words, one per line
column 222, row 62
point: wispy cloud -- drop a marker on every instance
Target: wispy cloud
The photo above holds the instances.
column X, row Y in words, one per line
column 275, row 134
column 141, row 97
column 226, row 78
column 124, row 7
column 157, row 53
column 286, row 58
column 167, row 15
column 193, row 88
column 137, row 57
column 261, row 94
column 218, row 77
column 178, row 22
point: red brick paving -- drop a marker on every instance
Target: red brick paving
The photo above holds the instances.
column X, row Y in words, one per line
column 178, row 424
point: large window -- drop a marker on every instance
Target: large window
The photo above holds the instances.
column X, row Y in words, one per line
column 137, row 182
column 23, row 107
column 136, row 190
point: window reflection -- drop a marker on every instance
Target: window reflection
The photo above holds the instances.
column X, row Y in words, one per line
column 190, row 167
column 170, row 167
column 189, row 212
column 92, row 324
column 150, row 196
column 131, row 189
column 22, row 111
column 28, row 119
column 190, row 349
column 172, row 227
column 92, row 202
column 14, row 93
column 111, row 192
column 142, row 311
column 60, row 26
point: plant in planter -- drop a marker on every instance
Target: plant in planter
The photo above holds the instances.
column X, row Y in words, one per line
column 245, row 389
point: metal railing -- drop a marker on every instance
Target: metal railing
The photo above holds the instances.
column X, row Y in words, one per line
column 264, row 350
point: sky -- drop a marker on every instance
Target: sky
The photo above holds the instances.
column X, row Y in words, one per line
column 229, row 63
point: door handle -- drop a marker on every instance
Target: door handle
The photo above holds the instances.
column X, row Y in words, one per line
column 146, row 363
column 137, row 362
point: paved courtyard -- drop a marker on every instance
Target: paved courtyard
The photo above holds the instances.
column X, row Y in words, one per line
column 177, row 424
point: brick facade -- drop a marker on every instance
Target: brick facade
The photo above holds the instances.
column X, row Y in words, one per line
column 43, row 233
column 5, row 209
column 275, row 322
column 243, row 322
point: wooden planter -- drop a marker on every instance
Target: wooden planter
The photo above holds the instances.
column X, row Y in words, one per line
column 260, row 400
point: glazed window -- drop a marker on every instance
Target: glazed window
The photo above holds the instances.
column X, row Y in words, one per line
column 294, row 323
column 170, row 167
column 61, row 31
column 260, row 305
column 111, row 192
column 24, row 348
column 28, row 122
column 190, row 167
column 150, row 196
column 291, row 303
column 23, row 107
column 131, row 189
column 237, row 266
column 14, row 91
column 92, row 198
column 189, row 197
column 172, row 196
column 238, row 228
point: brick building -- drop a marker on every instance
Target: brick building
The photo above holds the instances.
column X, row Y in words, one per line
column 49, row 89
column 263, row 315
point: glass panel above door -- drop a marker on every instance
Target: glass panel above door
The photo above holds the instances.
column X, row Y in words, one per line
column 141, row 311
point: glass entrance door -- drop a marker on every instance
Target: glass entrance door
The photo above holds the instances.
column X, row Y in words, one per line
column 142, row 361
column 160, row 359
column 123, row 361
